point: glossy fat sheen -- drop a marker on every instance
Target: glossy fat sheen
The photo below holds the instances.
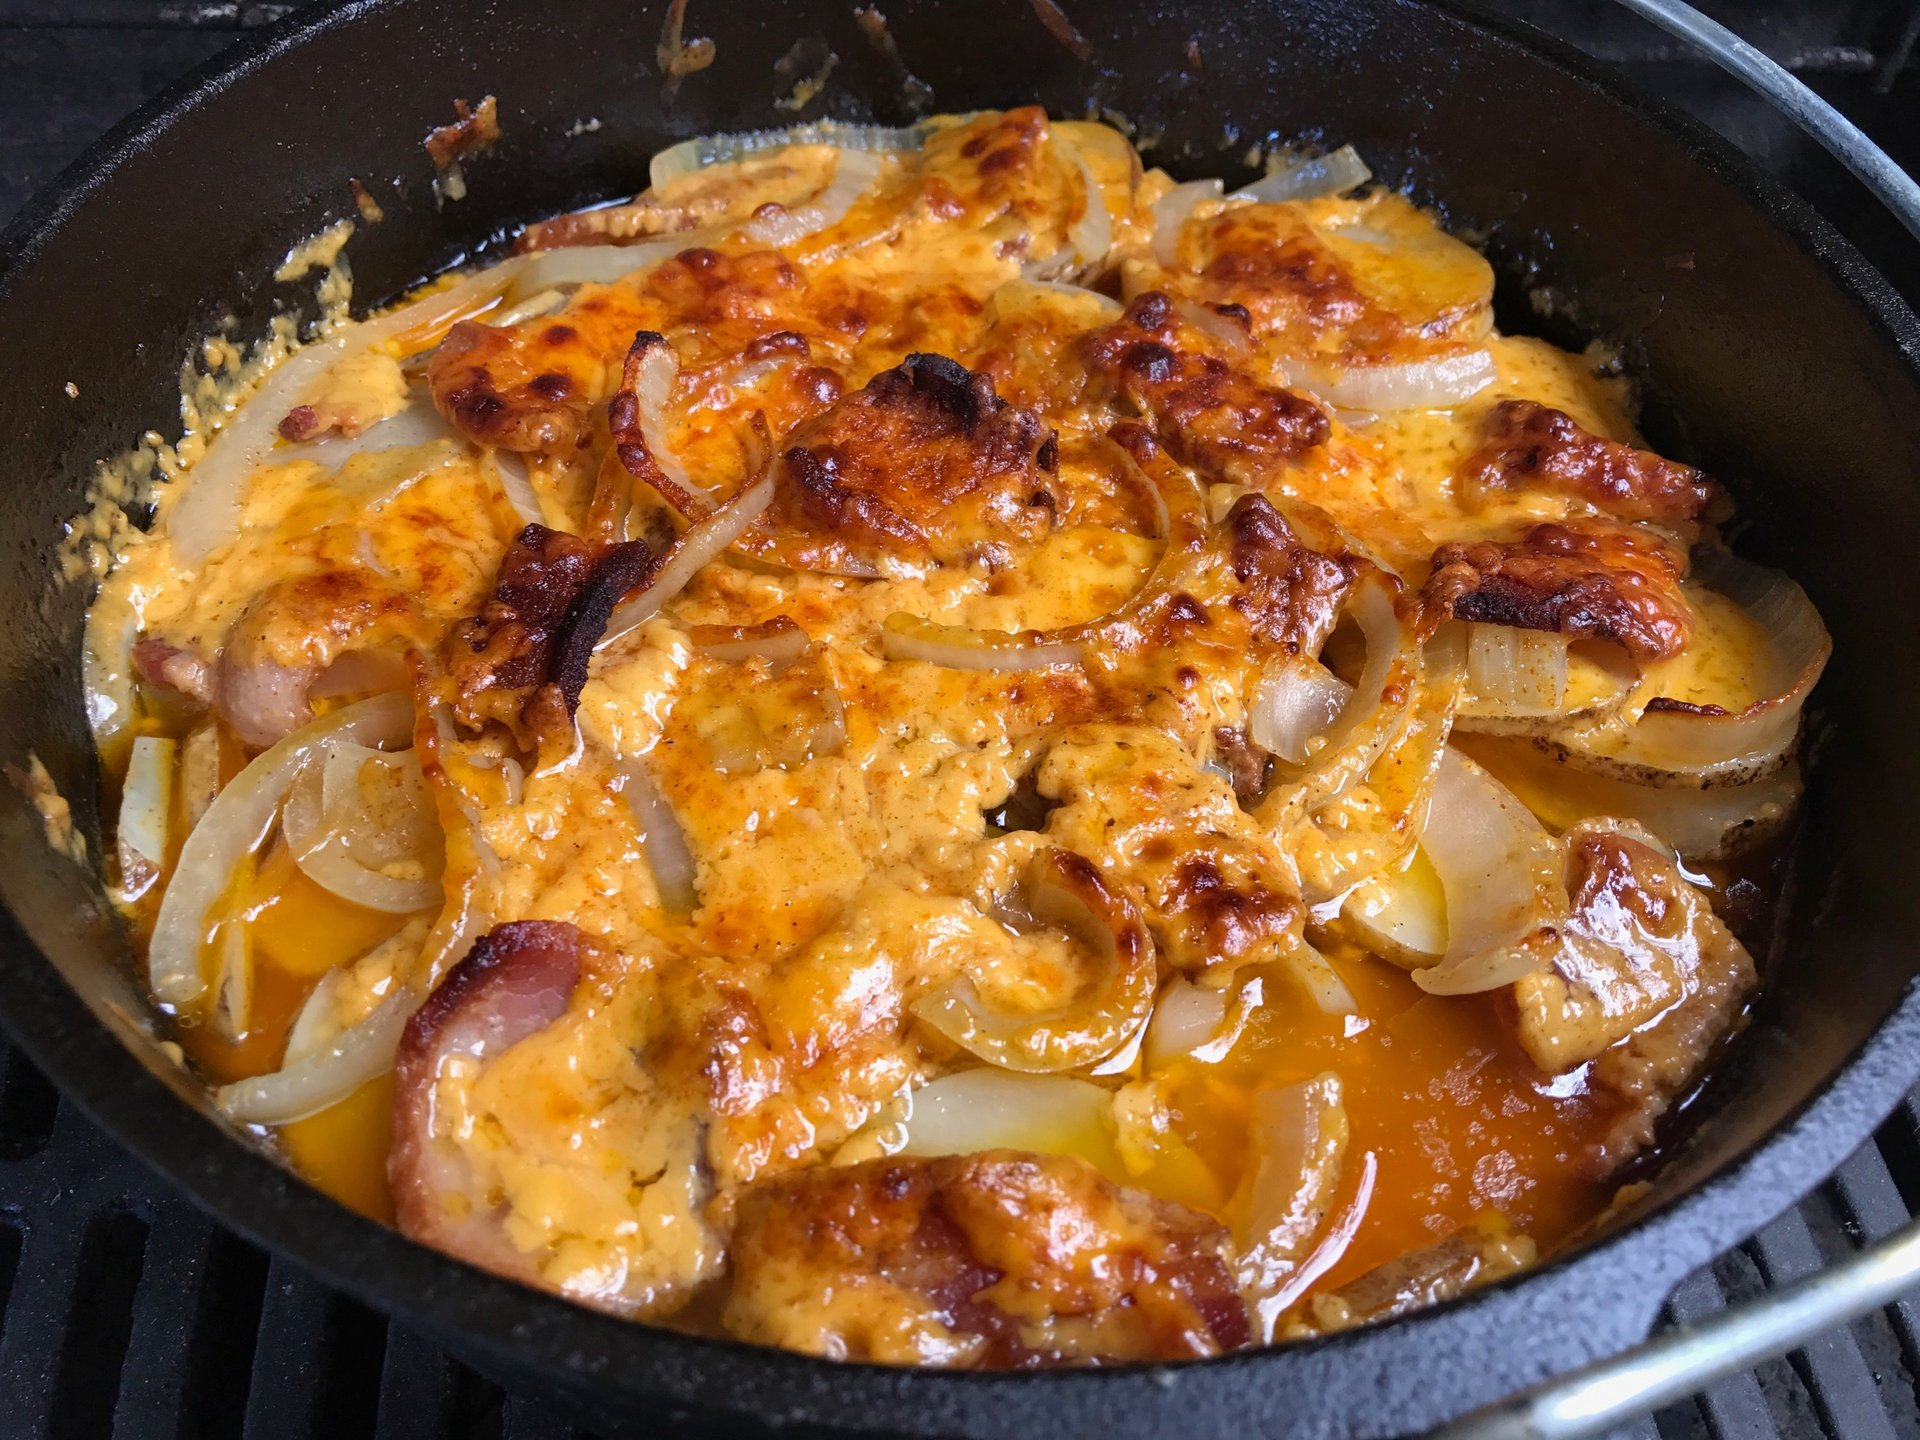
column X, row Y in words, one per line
column 1150, row 483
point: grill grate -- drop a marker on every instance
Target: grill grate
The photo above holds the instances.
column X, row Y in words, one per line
column 124, row 1311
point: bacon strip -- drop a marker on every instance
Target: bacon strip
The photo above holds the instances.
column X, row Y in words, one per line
column 522, row 661
column 1532, row 446
column 1605, row 584
column 518, row 979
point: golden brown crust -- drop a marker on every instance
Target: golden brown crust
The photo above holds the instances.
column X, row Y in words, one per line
column 1584, row 582
column 1208, row 413
column 514, row 388
column 925, row 457
column 998, row 1259
column 1533, row 446
column 522, row 662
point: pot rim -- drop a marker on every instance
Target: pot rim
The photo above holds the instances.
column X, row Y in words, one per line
column 544, row 1337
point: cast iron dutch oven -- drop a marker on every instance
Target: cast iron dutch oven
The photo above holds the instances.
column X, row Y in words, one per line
column 1794, row 365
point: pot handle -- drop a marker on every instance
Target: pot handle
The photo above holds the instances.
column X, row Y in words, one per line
column 1684, row 1362
column 1839, row 136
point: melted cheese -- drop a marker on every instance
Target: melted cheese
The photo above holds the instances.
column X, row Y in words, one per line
column 843, row 811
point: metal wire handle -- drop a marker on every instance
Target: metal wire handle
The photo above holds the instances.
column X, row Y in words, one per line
column 1685, row 1362
column 1839, row 136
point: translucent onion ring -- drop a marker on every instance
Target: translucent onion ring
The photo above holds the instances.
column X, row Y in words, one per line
column 1181, row 508
column 208, row 506
column 1504, row 879
column 1373, row 715
column 701, row 543
column 1170, row 214
column 1306, row 177
column 1063, row 891
column 236, row 822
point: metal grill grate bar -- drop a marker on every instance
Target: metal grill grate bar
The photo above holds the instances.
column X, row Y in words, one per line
column 153, row 1382
column 1831, row 1366
column 1734, row 1406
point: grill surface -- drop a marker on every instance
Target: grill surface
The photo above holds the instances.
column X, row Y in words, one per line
column 125, row 1312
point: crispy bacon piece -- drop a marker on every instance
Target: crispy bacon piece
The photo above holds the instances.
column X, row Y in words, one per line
column 998, row 1259
column 1208, row 413
column 1606, row 584
column 168, row 667
column 917, row 463
column 474, row 131
column 517, row 979
column 516, row 388
column 1290, row 593
column 522, row 661
column 1533, row 446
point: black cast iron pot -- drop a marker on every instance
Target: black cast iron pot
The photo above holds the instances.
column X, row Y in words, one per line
column 1793, row 364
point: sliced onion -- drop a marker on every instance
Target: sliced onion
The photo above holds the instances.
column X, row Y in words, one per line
column 517, row 485
column 594, row 264
column 341, row 844
column 1436, row 384
column 1217, row 327
column 702, row 151
column 317, row 1025
column 1685, row 750
column 1374, row 712
column 146, row 803
column 1297, row 1136
column 309, row 1086
column 540, row 302
column 959, row 647
column 1195, row 1022
column 1305, row 177
column 1092, row 234
column 854, row 172
column 994, row 1109
column 415, row 424
column 106, row 671
column 652, row 391
column 233, row 1011
column 1517, row 672
column 1062, row 891
column 1503, row 878
column 1294, row 704
column 779, row 641
column 703, row 541
column 237, row 821
column 1170, row 214
column 668, row 853
column 209, row 503
column 1378, row 821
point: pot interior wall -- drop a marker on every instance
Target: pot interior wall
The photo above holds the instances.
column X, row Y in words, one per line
column 1759, row 363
